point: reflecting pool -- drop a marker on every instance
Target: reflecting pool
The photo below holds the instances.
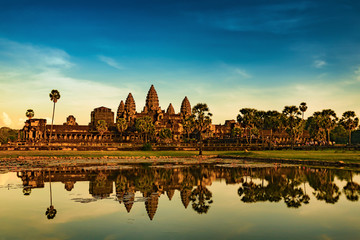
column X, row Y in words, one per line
column 244, row 201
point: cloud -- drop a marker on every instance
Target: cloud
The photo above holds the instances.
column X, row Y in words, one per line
column 6, row 119
column 242, row 72
column 33, row 56
column 319, row 63
column 28, row 73
column 111, row 62
column 274, row 18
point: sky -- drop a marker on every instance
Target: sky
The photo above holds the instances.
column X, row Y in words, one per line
column 228, row 54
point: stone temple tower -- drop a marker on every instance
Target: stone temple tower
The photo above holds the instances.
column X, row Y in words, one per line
column 185, row 109
column 130, row 107
column 152, row 101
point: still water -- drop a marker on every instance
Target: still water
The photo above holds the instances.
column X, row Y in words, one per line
column 254, row 201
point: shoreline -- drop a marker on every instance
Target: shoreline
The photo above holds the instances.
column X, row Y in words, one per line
column 41, row 159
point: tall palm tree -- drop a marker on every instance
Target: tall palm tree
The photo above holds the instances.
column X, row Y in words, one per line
column 121, row 126
column 30, row 113
column 101, row 127
column 272, row 123
column 303, row 109
column 248, row 119
column 329, row 121
column 54, row 97
column 350, row 122
column 292, row 122
column 202, row 120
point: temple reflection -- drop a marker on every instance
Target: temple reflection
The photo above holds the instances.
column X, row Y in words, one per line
column 294, row 186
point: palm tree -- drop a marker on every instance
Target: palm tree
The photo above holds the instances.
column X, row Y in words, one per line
column 202, row 120
column 30, row 113
column 247, row 119
column 145, row 126
column 272, row 122
column 329, row 121
column 101, row 127
column 292, row 122
column 303, row 108
column 54, row 97
column 165, row 134
column 349, row 122
column 121, row 125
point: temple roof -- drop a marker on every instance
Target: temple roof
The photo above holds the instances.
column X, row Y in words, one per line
column 170, row 109
column 152, row 100
column 185, row 107
column 130, row 104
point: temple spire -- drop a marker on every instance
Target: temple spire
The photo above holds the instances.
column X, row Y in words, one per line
column 130, row 107
column 152, row 100
column 170, row 109
column 185, row 109
column 121, row 109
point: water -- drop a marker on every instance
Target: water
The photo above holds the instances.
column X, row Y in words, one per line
column 180, row 202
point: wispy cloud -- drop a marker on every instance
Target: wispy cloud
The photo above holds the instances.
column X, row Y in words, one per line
column 6, row 119
column 111, row 62
column 28, row 74
column 33, row 56
column 275, row 18
column 242, row 72
column 319, row 63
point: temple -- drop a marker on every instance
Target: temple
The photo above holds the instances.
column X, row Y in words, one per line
column 38, row 131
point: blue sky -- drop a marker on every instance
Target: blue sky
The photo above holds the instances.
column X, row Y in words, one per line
column 228, row 54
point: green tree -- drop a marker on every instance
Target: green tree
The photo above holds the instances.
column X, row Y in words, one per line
column 273, row 123
column 202, row 121
column 350, row 122
column 247, row 119
column 101, row 127
column 30, row 113
column 329, row 121
column 314, row 125
column 236, row 133
column 165, row 134
column 8, row 135
column 293, row 124
column 121, row 125
column 188, row 125
column 339, row 134
column 54, row 97
column 303, row 109
column 145, row 127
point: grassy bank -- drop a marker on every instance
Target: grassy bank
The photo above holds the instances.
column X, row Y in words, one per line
column 325, row 155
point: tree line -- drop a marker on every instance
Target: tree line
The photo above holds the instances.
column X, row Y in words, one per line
column 291, row 120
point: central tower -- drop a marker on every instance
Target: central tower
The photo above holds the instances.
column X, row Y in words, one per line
column 152, row 101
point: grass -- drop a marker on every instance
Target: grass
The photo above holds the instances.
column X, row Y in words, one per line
column 321, row 155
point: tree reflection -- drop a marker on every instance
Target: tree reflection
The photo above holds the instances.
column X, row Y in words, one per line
column 324, row 188
column 352, row 189
column 50, row 211
column 201, row 197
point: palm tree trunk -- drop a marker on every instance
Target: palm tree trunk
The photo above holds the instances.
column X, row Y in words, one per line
column 200, row 146
column 349, row 137
column 52, row 122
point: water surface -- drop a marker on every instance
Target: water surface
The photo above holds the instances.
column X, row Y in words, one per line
column 253, row 201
